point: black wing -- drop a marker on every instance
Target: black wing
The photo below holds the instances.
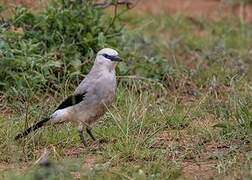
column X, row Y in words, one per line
column 71, row 100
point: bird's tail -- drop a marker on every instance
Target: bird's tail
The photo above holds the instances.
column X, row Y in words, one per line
column 32, row 128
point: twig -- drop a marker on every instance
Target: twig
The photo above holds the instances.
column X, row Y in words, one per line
column 129, row 4
column 115, row 13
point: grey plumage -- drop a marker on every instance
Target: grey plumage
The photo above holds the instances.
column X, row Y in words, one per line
column 91, row 98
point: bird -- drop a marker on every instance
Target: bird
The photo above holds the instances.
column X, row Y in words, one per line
column 90, row 100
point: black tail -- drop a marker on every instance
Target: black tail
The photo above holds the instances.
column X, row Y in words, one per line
column 32, row 128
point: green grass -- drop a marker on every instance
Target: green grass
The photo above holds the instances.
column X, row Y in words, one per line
column 148, row 135
column 189, row 108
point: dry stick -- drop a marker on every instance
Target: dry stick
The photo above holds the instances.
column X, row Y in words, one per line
column 114, row 17
column 115, row 13
column 105, row 4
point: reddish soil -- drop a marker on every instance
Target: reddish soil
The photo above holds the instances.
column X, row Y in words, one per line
column 195, row 163
column 200, row 170
column 213, row 9
column 196, row 8
column 34, row 4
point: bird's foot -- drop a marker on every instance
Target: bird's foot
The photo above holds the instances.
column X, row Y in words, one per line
column 84, row 143
column 102, row 140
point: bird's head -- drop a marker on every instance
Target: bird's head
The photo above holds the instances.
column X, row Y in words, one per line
column 107, row 57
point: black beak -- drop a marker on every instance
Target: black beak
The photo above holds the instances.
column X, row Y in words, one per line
column 116, row 58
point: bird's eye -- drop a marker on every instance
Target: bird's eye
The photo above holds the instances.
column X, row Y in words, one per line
column 106, row 56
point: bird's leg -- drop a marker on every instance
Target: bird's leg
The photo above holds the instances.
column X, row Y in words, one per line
column 90, row 133
column 80, row 130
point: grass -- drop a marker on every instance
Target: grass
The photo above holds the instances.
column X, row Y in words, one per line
column 188, row 116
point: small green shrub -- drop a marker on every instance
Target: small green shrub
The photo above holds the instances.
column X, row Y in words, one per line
column 43, row 49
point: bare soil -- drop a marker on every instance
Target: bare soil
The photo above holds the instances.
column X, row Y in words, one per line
column 213, row 9
column 200, row 170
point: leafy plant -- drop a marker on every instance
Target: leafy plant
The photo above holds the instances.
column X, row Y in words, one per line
column 45, row 49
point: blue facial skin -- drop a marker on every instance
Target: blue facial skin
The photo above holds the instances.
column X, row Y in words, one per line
column 112, row 58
